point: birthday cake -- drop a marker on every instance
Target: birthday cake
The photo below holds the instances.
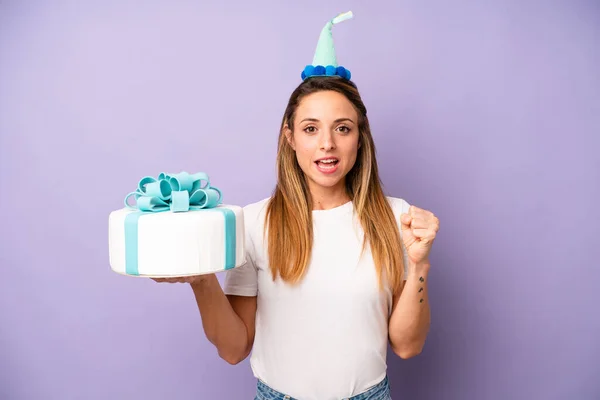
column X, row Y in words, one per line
column 177, row 226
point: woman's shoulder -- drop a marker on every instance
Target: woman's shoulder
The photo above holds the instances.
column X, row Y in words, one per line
column 254, row 213
column 257, row 207
column 399, row 205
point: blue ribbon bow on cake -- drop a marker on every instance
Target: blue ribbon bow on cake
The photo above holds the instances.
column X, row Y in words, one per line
column 180, row 192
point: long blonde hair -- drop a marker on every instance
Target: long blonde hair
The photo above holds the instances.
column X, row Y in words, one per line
column 289, row 211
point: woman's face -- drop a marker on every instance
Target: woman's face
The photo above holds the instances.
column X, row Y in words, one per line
column 325, row 138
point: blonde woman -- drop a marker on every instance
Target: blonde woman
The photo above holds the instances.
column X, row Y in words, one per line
column 335, row 269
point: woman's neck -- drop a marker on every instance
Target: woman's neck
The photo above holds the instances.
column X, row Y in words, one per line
column 327, row 198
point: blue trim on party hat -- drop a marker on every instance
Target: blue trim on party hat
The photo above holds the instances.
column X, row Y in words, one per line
column 325, row 62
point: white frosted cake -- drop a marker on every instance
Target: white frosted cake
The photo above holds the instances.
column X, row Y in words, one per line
column 177, row 228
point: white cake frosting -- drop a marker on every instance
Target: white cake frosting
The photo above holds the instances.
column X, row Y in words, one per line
column 171, row 244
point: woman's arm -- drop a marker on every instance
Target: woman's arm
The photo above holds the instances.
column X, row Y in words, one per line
column 228, row 321
column 410, row 319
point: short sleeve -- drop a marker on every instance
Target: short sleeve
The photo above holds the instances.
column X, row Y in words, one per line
column 242, row 281
column 401, row 206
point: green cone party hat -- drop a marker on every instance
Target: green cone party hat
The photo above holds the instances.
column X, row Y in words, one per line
column 325, row 62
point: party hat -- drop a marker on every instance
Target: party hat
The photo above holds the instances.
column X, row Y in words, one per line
column 325, row 62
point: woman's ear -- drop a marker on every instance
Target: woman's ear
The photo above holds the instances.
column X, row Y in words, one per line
column 289, row 136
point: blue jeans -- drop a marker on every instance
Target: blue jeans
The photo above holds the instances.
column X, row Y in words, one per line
column 381, row 391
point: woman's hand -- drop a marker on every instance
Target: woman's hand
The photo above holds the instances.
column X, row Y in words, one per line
column 192, row 280
column 419, row 228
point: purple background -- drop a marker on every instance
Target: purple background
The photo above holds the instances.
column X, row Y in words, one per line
column 487, row 114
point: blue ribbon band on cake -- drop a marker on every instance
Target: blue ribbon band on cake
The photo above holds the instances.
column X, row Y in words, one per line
column 180, row 192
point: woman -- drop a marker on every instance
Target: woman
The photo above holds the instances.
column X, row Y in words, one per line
column 335, row 269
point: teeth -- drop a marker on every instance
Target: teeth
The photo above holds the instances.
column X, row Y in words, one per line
column 327, row 161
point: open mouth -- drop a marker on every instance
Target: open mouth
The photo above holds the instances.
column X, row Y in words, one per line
column 328, row 164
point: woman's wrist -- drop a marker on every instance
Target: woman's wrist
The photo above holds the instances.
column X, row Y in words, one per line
column 419, row 269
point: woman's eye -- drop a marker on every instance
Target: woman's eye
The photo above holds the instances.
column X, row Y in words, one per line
column 309, row 129
column 344, row 129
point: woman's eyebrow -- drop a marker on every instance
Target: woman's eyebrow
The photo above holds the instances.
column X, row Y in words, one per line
column 336, row 121
column 343, row 119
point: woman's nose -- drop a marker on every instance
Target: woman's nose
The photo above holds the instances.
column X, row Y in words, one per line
column 327, row 142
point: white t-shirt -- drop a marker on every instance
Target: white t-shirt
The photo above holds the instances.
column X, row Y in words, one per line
column 327, row 337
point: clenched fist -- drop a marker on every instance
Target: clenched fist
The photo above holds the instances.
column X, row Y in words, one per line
column 419, row 228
